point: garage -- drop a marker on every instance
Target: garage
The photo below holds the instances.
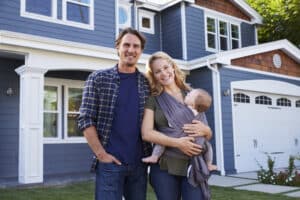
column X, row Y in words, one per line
column 266, row 121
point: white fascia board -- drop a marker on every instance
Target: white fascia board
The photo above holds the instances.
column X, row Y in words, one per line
column 49, row 44
column 156, row 7
column 257, row 18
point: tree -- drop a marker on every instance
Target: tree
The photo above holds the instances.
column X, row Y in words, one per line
column 281, row 20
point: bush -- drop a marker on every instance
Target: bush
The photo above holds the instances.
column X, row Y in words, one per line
column 288, row 177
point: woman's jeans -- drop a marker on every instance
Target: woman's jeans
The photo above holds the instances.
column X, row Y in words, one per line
column 114, row 181
column 171, row 187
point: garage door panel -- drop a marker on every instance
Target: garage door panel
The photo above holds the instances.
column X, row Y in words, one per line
column 261, row 130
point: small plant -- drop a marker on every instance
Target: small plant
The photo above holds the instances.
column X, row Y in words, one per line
column 288, row 177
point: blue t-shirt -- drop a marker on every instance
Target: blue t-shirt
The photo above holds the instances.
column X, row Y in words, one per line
column 125, row 142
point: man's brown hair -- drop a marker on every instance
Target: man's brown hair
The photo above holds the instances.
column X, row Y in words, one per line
column 133, row 32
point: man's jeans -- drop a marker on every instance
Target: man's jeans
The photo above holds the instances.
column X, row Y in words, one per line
column 114, row 181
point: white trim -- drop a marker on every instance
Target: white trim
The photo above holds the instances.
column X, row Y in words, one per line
column 183, row 30
column 240, row 68
column 117, row 28
column 151, row 16
column 127, row 7
column 256, row 35
column 53, row 18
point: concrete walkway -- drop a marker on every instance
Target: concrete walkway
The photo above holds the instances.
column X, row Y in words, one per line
column 249, row 182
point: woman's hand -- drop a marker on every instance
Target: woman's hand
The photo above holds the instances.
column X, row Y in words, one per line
column 197, row 129
column 188, row 147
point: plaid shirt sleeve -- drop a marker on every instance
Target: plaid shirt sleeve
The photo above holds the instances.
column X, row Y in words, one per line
column 89, row 105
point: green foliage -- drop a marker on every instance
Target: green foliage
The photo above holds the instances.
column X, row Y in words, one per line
column 288, row 177
column 281, row 19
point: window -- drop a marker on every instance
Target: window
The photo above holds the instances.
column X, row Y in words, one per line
column 221, row 35
column 146, row 21
column 42, row 7
column 298, row 104
column 62, row 99
column 284, row 102
column 77, row 13
column 241, row 98
column 264, row 100
column 124, row 16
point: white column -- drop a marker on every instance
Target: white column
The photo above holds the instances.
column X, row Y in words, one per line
column 31, row 124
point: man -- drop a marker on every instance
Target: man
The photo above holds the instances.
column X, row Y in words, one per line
column 110, row 118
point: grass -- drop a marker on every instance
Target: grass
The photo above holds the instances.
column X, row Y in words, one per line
column 85, row 190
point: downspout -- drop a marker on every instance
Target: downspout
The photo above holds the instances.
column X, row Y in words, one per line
column 218, row 116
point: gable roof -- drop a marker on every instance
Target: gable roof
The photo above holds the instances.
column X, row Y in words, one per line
column 227, row 56
column 256, row 18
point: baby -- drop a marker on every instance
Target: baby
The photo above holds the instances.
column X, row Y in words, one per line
column 198, row 101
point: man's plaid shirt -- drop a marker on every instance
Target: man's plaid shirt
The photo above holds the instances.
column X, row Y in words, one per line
column 99, row 99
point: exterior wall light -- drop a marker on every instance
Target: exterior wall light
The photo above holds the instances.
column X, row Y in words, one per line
column 9, row 91
column 226, row 92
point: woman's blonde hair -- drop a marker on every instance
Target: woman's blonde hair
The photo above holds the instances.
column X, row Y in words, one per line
column 155, row 87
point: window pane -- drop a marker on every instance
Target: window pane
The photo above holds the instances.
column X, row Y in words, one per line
column 146, row 22
column 211, row 25
column 223, row 28
column 73, row 130
column 43, row 7
column 78, row 13
column 50, row 125
column 122, row 16
column 211, row 41
column 50, row 98
column 75, row 95
column 83, row 1
column 234, row 31
column 223, row 43
column 235, row 44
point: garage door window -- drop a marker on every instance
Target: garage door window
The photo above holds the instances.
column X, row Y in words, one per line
column 264, row 100
column 241, row 98
column 284, row 102
column 298, row 104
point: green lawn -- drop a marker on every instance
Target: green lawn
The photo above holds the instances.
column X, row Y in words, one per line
column 84, row 191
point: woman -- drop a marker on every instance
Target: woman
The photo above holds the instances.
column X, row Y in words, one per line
column 168, row 177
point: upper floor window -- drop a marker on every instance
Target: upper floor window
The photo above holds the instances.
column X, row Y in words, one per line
column 146, row 21
column 241, row 98
column 124, row 15
column 78, row 13
column 263, row 100
column 284, row 102
column 298, row 104
column 62, row 99
column 221, row 35
column 42, row 7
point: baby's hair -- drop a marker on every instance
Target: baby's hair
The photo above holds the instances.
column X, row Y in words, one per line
column 203, row 100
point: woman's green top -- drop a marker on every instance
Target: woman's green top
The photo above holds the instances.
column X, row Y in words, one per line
column 174, row 166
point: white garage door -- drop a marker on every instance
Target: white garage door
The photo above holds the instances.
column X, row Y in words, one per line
column 265, row 124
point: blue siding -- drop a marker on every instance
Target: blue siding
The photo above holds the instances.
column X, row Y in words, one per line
column 195, row 33
column 171, row 31
column 202, row 78
column 66, row 158
column 228, row 76
column 103, row 35
column 153, row 40
column 9, row 119
column 248, row 34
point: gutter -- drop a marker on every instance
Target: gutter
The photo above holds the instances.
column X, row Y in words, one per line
column 218, row 116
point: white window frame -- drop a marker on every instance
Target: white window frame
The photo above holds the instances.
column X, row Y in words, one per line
column 229, row 22
column 62, row 134
column 224, row 36
column 54, row 19
column 78, row 24
column 127, row 7
column 150, row 15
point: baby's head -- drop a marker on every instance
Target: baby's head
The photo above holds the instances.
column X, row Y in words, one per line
column 199, row 99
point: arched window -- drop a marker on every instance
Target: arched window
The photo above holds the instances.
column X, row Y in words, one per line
column 264, row 100
column 284, row 102
column 241, row 98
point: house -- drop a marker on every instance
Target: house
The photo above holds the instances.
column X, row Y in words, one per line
column 48, row 48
